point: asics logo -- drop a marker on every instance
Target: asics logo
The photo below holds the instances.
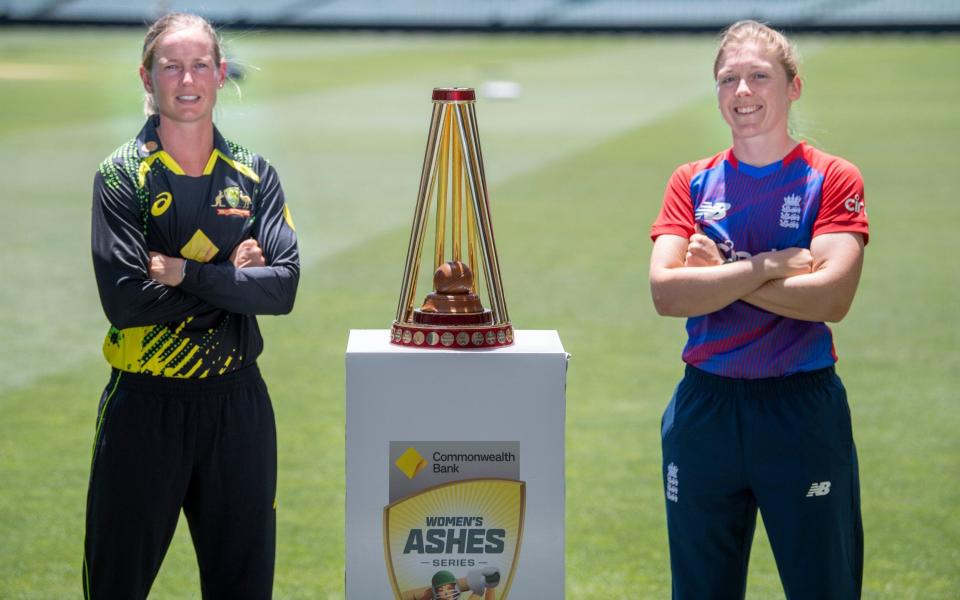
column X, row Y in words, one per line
column 161, row 203
column 819, row 489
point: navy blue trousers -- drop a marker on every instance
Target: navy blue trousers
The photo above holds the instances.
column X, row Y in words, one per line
column 207, row 446
column 783, row 445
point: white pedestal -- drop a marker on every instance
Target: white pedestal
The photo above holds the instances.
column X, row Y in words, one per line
column 505, row 402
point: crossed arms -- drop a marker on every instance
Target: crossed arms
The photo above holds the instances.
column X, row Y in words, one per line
column 138, row 287
column 689, row 278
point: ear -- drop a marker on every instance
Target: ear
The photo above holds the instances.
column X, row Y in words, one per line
column 145, row 78
column 795, row 89
column 222, row 72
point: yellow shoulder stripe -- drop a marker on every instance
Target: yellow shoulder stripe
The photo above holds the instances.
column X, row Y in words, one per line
column 240, row 167
column 165, row 158
column 171, row 164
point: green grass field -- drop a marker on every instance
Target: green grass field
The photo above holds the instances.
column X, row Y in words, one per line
column 576, row 170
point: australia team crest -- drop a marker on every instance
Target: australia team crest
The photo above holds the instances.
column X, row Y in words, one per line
column 232, row 201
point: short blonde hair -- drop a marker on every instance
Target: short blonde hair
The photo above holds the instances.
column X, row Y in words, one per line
column 173, row 22
column 745, row 32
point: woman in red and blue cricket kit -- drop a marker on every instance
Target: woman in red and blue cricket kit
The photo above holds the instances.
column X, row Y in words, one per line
column 191, row 238
column 759, row 246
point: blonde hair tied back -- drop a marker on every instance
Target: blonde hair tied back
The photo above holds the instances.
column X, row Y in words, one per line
column 173, row 22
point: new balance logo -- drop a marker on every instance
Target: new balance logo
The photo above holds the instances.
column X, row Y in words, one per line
column 819, row 489
column 712, row 211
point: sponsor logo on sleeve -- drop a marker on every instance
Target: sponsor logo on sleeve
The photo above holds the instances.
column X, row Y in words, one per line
column 854, row 204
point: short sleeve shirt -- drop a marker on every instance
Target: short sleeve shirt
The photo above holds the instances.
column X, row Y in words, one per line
column 747, row 210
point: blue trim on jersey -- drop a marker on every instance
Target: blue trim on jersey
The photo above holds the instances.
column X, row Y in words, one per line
column 747, row 210
column 759, row 172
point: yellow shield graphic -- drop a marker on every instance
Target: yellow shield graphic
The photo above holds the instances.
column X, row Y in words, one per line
column 455, row 541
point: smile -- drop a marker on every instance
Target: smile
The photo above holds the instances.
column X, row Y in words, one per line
column 188, row 98
column 746, row 110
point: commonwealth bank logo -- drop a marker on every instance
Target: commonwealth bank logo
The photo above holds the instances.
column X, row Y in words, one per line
column 411, row 463
column 454, row 524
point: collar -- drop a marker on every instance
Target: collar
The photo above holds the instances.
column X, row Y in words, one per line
column 150, row 149
column 797, row 152
column 148, row 140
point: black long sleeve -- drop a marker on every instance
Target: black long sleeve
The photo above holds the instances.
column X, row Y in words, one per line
column 120, row 258
column 145, row 202
column 268, row 290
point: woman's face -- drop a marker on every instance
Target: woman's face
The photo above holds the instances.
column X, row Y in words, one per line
column 185, row 76
column 753, row 91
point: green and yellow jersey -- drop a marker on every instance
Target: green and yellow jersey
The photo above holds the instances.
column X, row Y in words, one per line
column 144, row 202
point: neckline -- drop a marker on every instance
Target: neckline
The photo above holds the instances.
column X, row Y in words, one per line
column 760, row 172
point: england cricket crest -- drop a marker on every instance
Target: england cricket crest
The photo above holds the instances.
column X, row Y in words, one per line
column 455, row 541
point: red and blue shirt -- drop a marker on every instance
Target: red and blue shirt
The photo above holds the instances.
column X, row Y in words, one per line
column 747, row 210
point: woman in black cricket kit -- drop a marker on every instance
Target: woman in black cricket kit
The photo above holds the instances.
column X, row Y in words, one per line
column 191, row 239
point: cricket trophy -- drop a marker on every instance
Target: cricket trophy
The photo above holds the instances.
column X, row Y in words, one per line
column 453, row 315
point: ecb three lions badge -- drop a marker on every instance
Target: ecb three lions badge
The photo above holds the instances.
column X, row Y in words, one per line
column 455, row 541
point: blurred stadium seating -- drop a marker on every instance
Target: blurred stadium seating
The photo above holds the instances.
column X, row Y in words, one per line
column 608, row 15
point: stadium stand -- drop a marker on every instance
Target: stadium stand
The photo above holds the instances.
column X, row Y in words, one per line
column 505, row 15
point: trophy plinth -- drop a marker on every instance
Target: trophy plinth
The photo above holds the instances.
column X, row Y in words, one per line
column 453, row 315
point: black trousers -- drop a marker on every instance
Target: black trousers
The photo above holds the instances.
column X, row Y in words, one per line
column 207, row 446
column 783, row 446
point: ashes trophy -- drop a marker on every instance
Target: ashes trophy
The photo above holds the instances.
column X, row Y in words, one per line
column 453, row 315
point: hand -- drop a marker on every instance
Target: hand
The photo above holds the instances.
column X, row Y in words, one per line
column 248, row 254
column 481, row 580
column 166, row 269
column 702, row 251
column 787, row 262
column 491, row 575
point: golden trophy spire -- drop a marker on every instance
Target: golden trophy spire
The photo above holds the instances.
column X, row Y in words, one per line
column 452, row 315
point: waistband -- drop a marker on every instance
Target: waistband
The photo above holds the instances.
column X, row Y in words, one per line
column 186, row 386
column 786, row 382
